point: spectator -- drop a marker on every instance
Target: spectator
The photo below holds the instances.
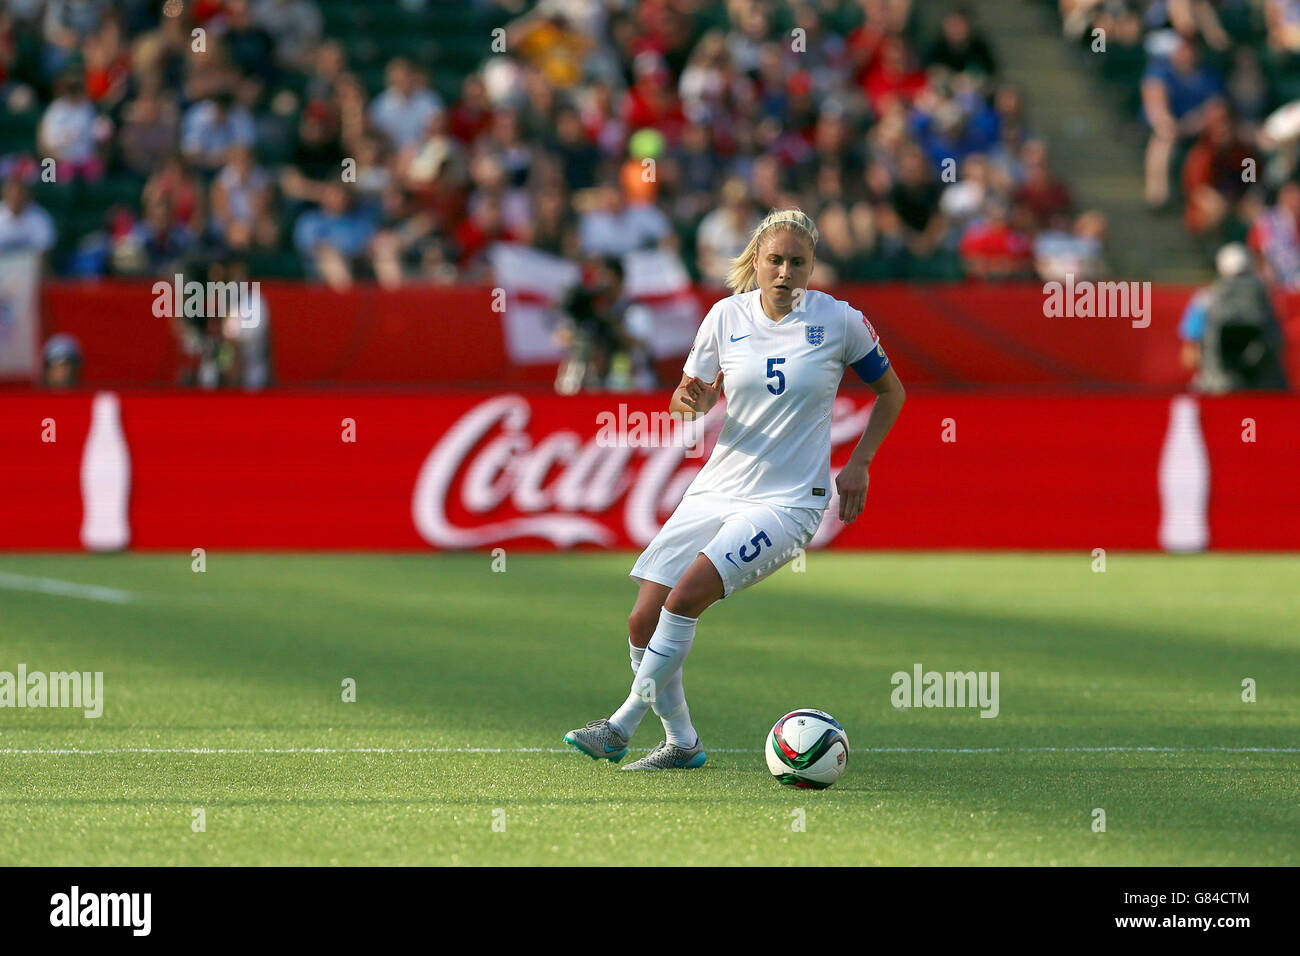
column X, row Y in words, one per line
column 251, row 47
column 333, row 239
column 750, row 29
column 156, row 245
column 1045, row 196
column 948, row 132
column 547, row 39
column 62, row 362
column 108, row 67
column 707, row 85
column 1174, row 95
column 317, row 155
column 212, row 127
column 581, row 158
column 375, row 173
column 826, row 58
column 915, row 199
column 964, row 200
column 436, row 265
column 180, row 189
column 241, row 204
column 472, row 114
column 324, row 67
column 402, row 112
column 400, row 239
column 490, row 180
column 8, row 47
column 553, row 228
column 149, row 129
column 959, row 48
column 1248, row 86
column 724, row 233
column 834, row 143
column 652, row 102
column 24, row 226
column 485, row 225
column 1071, row 250
column 295, row 26
column 1275, row 237
column 1283, row 20
column 350, row 100
column 67, row 23
column 506, row 142
column 1214, row 179
column 839, row 244
column 611, row 227
column 699, row 168
column 438, row 152
column 70, row 132
column 996, row 248
column 895, row 76
column 1231, row 337
column 604, row 125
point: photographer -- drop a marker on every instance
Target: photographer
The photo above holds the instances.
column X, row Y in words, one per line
column 605, row 334
column 1231, row 337
column 198, row 337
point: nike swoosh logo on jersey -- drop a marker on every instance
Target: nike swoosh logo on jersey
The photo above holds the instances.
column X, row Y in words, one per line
column 737, row 567
column 735, row 339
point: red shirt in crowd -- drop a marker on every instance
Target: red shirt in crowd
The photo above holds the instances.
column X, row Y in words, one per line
column 997, row 246
column 473, row 239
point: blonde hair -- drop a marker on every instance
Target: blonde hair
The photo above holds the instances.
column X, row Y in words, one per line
column 742, row 277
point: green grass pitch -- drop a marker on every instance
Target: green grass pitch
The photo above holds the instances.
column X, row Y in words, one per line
column 223, row 693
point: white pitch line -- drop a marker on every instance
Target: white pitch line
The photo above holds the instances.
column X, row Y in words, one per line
column 77, row 751
column 91, row 592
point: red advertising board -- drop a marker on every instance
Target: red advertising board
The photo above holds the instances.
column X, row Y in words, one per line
column 947, row 334
column 479, row 470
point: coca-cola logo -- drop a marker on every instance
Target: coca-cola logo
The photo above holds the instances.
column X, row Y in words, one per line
column 564, row 487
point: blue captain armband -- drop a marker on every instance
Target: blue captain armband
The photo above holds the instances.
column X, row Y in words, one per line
column 872, row 365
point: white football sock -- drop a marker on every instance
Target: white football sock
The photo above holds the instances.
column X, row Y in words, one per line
column 660, row 663
column 670, row 705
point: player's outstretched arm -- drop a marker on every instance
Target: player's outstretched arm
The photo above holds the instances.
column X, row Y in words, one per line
column 851, row 482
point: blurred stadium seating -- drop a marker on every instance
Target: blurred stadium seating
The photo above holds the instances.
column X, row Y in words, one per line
column 840, row 117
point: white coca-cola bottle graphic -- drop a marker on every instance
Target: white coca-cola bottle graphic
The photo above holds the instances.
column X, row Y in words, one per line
column 105, row 479
column 1184, row 480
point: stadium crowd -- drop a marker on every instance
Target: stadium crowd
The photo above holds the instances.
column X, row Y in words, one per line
column 1217, row 85
column 588, row 127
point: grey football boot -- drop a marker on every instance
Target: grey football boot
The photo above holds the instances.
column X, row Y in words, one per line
column 599, row 741
column 671, row 757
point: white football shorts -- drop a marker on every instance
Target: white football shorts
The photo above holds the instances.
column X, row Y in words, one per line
column 745, row 540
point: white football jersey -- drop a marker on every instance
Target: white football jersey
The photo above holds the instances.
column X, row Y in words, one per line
column 779, row 385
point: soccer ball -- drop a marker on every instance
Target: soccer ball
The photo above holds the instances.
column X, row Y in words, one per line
column 807, row 748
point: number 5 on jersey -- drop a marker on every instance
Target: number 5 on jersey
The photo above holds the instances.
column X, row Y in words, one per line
column 774, row 372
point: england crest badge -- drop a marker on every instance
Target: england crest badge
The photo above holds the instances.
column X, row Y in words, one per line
column 816, row 334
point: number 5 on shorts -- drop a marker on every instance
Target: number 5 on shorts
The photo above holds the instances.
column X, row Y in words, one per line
column 757, row 541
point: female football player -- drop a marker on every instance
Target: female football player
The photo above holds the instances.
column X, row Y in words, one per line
column 782, row 350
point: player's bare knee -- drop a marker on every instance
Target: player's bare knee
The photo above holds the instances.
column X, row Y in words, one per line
column 677, row 604
column 641, row 624
column 689, row 601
